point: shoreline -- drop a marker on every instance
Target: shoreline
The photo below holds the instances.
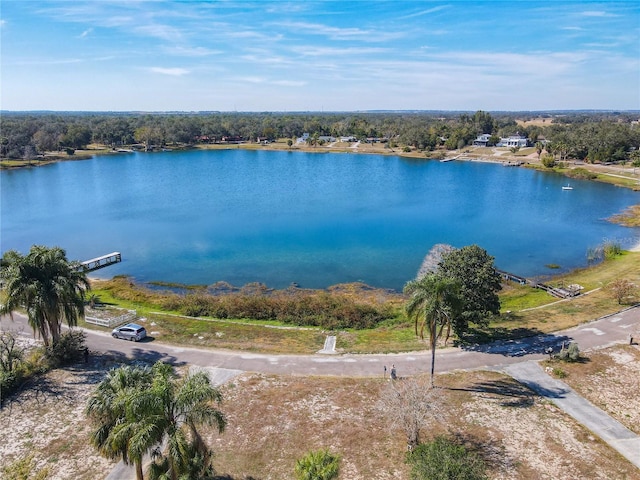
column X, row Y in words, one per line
column 466, row 154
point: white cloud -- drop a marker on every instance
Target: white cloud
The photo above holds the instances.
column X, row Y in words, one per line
column 597, row 13
column 164, row 32
column 176, row 72
column 425, row 12
column 252, row 79
column 337, row 33
column 289, row 83
column 183, row 51
column 318, row 51
column 86, row 33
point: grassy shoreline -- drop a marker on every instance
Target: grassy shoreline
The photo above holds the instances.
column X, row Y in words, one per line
column 525, row 311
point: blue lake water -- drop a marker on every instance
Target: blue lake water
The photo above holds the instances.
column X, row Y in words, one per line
column 316, row 219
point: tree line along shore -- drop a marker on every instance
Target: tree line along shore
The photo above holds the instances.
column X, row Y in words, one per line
column 591, row 137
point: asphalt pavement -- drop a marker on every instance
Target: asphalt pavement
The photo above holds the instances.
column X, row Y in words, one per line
column 517, row 358
column 601, row 424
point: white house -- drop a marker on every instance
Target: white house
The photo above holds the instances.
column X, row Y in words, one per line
column 482, row 140
column 516, row 140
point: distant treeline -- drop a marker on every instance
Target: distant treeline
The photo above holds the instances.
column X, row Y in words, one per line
column 591, row 136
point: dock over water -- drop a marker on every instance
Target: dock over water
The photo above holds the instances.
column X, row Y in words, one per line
column 101, row 262
column 567, row 292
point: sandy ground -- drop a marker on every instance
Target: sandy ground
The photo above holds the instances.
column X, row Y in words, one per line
column 275, row 419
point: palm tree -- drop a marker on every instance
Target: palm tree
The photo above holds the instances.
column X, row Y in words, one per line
column 108, row 409
column 539, row 148
column 47, row 285
column 434, row 303
column 170, row 412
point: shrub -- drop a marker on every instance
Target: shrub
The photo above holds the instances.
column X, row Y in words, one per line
column 558, row 372
column 445, row 459
column 9, row 382
column 318, row 465
column 24, row 468
column 548, row 161
column 582, row 173
column 612, row 250
column 622, row 290
column 569, row 354
column 68, row 349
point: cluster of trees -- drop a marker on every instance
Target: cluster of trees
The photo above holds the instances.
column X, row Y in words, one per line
column 595, row 136
column 140, row 410
column 51, row 289
column 461, row 289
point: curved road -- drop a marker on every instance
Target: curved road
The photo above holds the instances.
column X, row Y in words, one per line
column 598, row 333
column 514, row 357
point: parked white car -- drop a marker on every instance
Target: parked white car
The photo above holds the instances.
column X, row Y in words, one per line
column 130, row 331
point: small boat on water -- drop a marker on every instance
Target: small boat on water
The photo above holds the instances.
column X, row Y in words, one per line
column 567, row 187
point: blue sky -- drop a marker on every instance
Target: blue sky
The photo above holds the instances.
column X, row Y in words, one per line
column 319, row 55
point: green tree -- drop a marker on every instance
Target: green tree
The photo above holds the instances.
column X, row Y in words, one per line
column 77, row 136
column 483, row 122
column 444, row 459
column 548, row 160
column 318, row 465
column 434, row 303
column 539, row 148
column 169, row 414
column 108, row 410
column 473, row 269
column 47, row 285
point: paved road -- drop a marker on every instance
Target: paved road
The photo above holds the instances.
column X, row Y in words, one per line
column 607, row 428
column 517, row 358
column 599, row 333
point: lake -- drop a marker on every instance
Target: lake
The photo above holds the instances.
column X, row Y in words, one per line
column 316, row 219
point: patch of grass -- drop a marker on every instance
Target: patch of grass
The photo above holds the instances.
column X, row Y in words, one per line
column 514, row 298
column 234, row 335
column 559, row 373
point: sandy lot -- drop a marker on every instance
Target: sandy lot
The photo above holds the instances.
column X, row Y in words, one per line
column 275, row 420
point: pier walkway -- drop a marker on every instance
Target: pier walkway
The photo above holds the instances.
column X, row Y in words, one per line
column 568, row 292
column 101, row 262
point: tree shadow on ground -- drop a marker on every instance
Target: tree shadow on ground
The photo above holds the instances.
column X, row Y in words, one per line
column 494, row 334
column 519, row 342
column 510, row 392
column 137, row 356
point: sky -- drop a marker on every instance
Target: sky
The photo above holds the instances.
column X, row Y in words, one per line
column 279, row 56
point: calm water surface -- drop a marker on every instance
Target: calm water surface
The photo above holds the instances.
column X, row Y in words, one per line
column 315, row 219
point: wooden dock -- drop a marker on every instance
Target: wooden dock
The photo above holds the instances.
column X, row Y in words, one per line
column 556, row 292
column 101, row 262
